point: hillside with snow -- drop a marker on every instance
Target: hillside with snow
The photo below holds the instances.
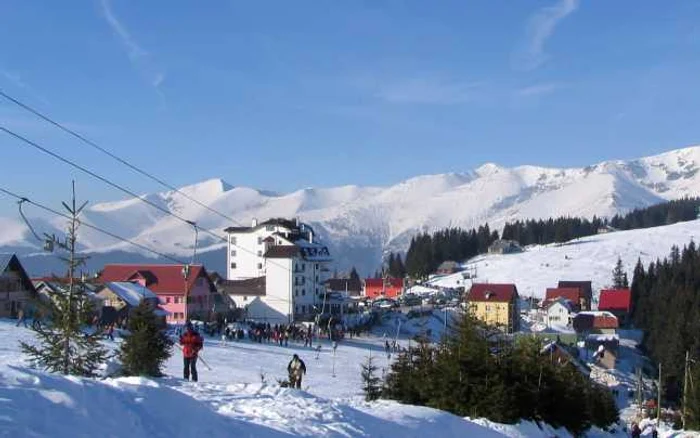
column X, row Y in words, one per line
column 360, row 223
column 231, row 399
column 588, row 258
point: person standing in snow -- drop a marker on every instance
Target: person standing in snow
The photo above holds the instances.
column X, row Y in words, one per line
column 296, row 369
column 191, row 343
column 21, row 319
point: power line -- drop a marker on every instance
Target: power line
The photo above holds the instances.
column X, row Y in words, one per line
column 123, row 161
column 111, row 154
column 106, row 181
column 98, row 229
column 125, row 190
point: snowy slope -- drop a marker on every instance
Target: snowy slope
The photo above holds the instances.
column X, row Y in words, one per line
column 229, row 401
column 589, row 258
column 361, row 222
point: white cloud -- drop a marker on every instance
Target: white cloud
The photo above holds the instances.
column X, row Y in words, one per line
column 139, row 57
column 538, row 89
column 429, row 91
column 540, row 28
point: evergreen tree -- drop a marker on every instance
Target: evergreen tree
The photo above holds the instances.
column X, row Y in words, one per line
column 619, row 276
column 63, row 345
column 371, row 384
column 354, row 275
column 147, row 346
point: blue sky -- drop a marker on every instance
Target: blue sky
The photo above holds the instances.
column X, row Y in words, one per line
column 282, row 95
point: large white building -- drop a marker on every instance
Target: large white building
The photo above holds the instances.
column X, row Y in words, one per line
column 276, row 270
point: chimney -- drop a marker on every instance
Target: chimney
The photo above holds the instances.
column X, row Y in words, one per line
column 255, row 223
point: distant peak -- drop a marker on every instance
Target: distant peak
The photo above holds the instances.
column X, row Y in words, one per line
column 488, row 169
column 211, row 185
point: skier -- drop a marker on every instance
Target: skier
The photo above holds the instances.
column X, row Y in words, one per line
column 192, row 343
column 296, row 369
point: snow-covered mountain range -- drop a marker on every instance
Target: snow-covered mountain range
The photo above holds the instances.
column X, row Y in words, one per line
column 359, row 223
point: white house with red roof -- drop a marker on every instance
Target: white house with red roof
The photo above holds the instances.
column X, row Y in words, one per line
column 277, row 270
column 183, row 293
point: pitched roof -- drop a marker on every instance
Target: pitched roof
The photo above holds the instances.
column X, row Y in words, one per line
column 282, row 252
column 165, row 279
column 11, row 261
column 572, row 294
column 585, row 286
column 379, row 282
column 492, row 292
column 130, row 293
column 251, row 286
column 615, row 299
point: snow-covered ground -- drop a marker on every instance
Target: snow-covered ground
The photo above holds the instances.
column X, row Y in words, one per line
column 230, row 400
column 588, row 258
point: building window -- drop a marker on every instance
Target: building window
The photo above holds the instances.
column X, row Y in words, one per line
column 233, row 253
column 296, row 292
column 233, row 240
column 317, row 279
column 303, row 266
column 259, row 265
column 260, row 239
column 303, row 309
column 167, row 300
column 317, row 292
column 316, row 265
column 245, row 298
column 233, row 266
column 303, row 291
column 270, row 228
column 259, row 253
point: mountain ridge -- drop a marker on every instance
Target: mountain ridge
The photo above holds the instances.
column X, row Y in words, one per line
column 360, row 223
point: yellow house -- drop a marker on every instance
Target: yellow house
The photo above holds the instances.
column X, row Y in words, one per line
column 495, row 304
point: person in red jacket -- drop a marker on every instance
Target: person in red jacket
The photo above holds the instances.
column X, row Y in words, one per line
column 191, row 342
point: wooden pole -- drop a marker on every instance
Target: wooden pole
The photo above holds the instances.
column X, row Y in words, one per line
column 685, row 389
column 658, row 403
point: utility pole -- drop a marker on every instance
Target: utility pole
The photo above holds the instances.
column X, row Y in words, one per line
column 639, row 391
column 685, row 389
column 658, row 403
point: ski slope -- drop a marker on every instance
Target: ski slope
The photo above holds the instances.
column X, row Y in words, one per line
column 230, row 400
column 588, row 258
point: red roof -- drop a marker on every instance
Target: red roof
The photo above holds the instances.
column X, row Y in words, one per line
column 615, row 299
column 161, row 279
column 379, row 283
column 503, row 293
column 568, row 293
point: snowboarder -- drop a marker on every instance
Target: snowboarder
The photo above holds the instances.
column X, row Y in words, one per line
column 296, row 369
column 192, row 343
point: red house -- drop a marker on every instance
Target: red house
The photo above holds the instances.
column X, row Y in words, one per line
column 616, row 301
column 184, row 298
column 383, row 287
column 573, row 294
